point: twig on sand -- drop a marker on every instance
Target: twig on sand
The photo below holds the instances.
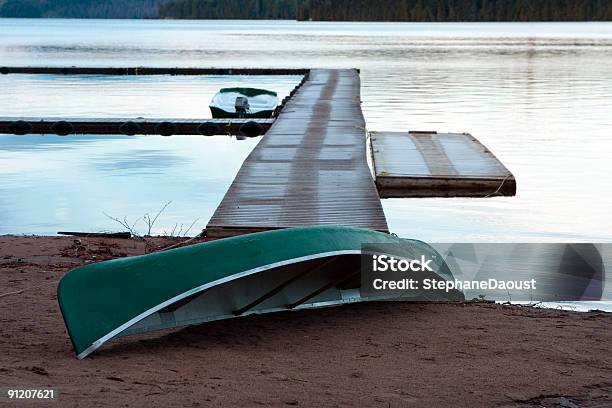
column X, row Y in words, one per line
column 18, row 292
column 147, row 219
column 183, row 243
column 151, row 221
column 125, row 224
column 122, row 235
column 190, row 227
column 534, row 304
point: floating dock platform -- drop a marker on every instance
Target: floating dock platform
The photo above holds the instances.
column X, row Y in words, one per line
column 149, row 71
column 145, row 126
column 310, row 168
column 430, row 164
column 139, row 126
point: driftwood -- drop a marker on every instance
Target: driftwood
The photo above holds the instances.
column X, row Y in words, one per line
column 123, row 235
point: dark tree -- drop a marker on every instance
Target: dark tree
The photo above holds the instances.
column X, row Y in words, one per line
column 229, row 9
column 80, row 8
column 330, row 10
column 455, row 10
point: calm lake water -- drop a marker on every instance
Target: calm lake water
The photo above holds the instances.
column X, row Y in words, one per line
column 539, row 95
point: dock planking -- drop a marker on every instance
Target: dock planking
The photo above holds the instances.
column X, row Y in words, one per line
column 430, row 164
column 309, row 169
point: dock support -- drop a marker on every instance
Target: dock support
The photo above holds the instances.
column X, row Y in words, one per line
column 131, row 127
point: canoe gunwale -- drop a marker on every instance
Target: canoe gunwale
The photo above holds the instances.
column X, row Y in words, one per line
column 208, row 282
column 116, row 332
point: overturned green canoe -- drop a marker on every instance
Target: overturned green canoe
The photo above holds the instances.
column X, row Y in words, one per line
column 256, row 273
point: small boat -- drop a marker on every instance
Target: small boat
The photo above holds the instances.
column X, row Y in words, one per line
column 243, row 103
column 288, row 269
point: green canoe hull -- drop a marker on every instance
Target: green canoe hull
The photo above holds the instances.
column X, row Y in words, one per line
column 255, row 273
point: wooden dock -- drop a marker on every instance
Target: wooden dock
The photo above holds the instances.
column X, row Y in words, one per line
column 430, row 164
column 310, row 168
column 138, row 126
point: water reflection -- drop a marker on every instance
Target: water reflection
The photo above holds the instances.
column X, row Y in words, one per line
column 47, row 190
column 135, row 161
column 537, row 94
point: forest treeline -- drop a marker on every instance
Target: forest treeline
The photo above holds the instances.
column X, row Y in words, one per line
column 394, row 10
column 230, row 9
column 455, row 10
column 319, row 10
column 81, row 8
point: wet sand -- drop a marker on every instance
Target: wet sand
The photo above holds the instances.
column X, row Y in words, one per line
column 377, row 354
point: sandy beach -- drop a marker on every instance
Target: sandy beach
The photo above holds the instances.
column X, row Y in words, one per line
column 376, row 354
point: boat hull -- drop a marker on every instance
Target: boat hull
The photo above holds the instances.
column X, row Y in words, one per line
column 261, row 103
column 258, row 273
column 218, row 113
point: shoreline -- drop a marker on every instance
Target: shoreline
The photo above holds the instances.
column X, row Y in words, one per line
column 374, row 354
